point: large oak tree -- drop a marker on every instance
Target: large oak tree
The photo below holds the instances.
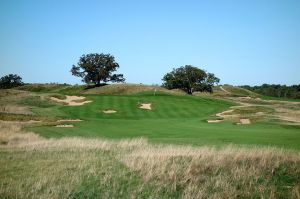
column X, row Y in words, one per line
column 97, row 68
column 190, row 79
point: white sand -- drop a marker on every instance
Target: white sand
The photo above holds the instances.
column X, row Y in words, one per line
column 145, row 106
column 65, row 126
column 70, row 120
column 109, row 111
column 244, row 121
column 71, row 100
column 215, row 121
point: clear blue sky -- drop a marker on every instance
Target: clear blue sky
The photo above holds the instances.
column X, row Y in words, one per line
column 242, row 42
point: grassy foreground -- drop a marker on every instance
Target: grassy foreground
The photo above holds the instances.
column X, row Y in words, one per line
column 35, row 167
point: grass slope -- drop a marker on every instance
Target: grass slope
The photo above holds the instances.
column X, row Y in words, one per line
column 130, row 89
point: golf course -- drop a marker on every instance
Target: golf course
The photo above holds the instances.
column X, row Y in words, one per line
column 151, row 99
column 139, row 141
column 172, row 118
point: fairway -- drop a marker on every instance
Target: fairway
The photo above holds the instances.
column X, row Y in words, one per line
column 173, row 119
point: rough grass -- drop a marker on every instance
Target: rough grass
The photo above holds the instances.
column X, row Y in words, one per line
column 42, row 87
column 15, row 109
column 130, row 89
column 252, row 110
column 16, row 105
column 35, row 167
column 58, row 96
column 237, row 91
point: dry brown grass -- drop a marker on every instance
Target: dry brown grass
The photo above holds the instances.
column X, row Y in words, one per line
column 130, row 89
column 15, row 109
column 207, row 172
column 11, row 133
column 194, row 172
column 259, row 110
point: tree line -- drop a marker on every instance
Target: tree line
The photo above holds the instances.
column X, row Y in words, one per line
column 98, row 69
column 276, row 90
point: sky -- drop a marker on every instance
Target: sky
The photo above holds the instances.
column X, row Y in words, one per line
column 243, row 42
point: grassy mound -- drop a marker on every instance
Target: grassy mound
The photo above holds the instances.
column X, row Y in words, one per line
column 129, row 89
column 238, row 91
column 42, row 87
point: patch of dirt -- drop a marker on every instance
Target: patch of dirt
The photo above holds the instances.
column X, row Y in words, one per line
column 215, row 121
column 64, row 125
column 224, row 113
column 71, row 100
column 221, row 87
column 109, row 111
column 244, row 121
column 69, row 120
column 145, row 106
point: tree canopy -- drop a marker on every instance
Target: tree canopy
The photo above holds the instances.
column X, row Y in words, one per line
column 97, row 68
column 190, row 79
column 276, row 90
column 10, row 81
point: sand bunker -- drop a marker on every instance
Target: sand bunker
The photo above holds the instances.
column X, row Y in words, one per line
column 215, row 121
column 65, row 126
column 244, row 121
column 245, row 97
column 145, row 106
column 109, row 111
column 71, row 100
column 222, row 114
column 70, row 120
column 259, row 113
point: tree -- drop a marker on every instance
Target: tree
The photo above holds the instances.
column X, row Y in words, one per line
column 276, row 90
column 96, row 68
column 190, row 79
column 10, row 81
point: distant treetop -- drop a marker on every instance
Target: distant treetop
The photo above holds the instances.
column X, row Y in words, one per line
column 190, row 79
column 10, row 81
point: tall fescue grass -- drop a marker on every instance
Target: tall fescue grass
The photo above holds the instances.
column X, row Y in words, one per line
column 35, row 167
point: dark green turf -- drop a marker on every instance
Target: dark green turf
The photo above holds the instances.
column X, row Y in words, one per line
column 174, row 119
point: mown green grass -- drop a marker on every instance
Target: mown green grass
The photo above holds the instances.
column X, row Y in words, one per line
column 173, row 119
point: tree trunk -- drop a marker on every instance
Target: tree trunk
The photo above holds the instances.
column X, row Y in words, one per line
column 190, row 91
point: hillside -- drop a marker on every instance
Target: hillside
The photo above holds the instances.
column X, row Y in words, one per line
column 129, row 89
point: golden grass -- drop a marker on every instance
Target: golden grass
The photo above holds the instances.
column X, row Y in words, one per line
column 130, row 89
column 55, row 167
column 207, row 172
column 15, row 109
